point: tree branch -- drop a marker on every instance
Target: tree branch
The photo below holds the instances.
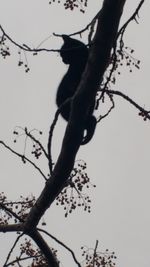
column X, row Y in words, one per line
column 44, row 247
column 62, row 244
column 36, row 141
column 133, row 17
column 20, row 259
column 26, row 47
column 11, row 228
column 24, row 158
column 146, row 113
column 10, row 252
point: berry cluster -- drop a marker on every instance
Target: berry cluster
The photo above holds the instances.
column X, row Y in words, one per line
column 36, row 148
column 27, row 249
column 72, row 4
column 71, row 196
column 22, row 62
column 125, row 56
column 4, row 49
column 144, row 114
column 20, row 208
column 98, row 259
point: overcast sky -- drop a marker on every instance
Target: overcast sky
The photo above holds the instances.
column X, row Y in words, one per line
column 118, row 155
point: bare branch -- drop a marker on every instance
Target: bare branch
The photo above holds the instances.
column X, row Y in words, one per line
column 94, row 254
column 24, row 158
column 21, row 259
column 62, row 244
column 44, row 247
column 25, row 47
column 84, row 29
column 111, row 107
column 133, row 17
column 144, row 112
column 49, row 146
column 10, row 252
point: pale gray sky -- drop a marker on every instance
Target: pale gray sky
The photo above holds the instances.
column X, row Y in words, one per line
column 117, row 156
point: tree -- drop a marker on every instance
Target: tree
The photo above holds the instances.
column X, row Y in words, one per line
column 107, row 52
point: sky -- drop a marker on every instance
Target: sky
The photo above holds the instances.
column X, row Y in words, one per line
column 118, row 155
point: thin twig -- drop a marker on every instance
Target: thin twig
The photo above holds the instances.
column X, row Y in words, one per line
column 110, row 109
column 122, row 29
column 49, row 145
column 62, row 244
column 24, row 158
column 144, row 112
column 51, row 133
column 36, row 141
column 84, row 29
column 9, row 254
column 94, row 254
column 21, row 259
column 26, row 47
